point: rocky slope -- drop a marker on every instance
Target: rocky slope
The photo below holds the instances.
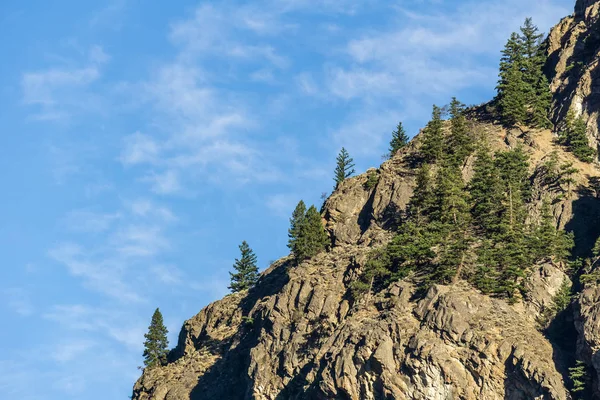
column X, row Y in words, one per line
column 573, row 49
column 299, row 334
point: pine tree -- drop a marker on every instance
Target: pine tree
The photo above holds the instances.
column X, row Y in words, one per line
column 247, row 271
column 433, row 137
column 399, row 140
column 512, row 96
column 344, row 167
column 298, row 217
column 156, row 344
column 460, row 145
column 523, row 89
column 312, row 238
column 541, row 102
column 486, row 192
column 531, row 39
column 580, row 378
column 573, row 135
column 513, row 168
column 486, row 276
column 514, row 256
column 423, row 198
column 452, row 220
column 578, row 141
column 548, row 242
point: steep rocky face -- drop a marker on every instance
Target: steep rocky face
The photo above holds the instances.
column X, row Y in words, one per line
column 300, row 335
column 573, row 48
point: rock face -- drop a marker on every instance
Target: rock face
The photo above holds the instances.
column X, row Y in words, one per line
column 573, row 48
column 298, row 334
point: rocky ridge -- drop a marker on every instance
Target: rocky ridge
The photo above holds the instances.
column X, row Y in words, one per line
column 299, row 334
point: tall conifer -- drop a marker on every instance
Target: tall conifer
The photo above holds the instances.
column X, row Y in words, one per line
column 156, row 344
column 246, row 273
column 433, row 137
column 344, row 167
column 399, row 140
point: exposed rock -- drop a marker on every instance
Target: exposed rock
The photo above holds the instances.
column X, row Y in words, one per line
column 306, row 343
column 299, row 335
column 573, row 48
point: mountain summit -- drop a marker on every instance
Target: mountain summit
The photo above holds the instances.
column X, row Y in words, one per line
column 432, row 288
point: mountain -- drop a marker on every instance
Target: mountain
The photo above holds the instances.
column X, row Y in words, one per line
column 301, row 333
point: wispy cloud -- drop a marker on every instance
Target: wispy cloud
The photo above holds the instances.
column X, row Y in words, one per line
column 107, row 323
column 74, row 348
column 19, row 301
column 89, row 221
column 104, row 274
column 58, row 92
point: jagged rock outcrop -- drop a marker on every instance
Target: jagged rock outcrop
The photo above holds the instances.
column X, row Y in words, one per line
column 300, row 335
column 574, row 49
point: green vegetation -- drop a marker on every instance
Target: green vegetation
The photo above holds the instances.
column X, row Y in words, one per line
column 524, row 95
column 344, row 167
column 580, row 378
column 307, row 236
column 246, row 273
column 433, row 137
column 573, row 136
column 156, row 344
column 460, row 142
column 480, row 231
column 399, row 140
column 372, row 180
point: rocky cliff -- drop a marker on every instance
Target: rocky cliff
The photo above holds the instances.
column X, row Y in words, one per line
column 299, row 334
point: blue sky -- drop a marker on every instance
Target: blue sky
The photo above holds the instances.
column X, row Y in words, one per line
column 143, row 141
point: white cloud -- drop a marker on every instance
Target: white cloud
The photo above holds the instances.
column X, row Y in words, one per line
column 147, row 208
column 139, row 241
column 164, row 183
column 19, row 301
column 108, row 323
column 74, row 348
column 168, row 274
column 89, row 221
column 103, row 274
column 58, row 92
column 363, row 133
column 282, row 204
column 138, row 149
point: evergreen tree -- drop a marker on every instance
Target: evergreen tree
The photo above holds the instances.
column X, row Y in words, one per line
column 512, row 96
column 578, row 141
column 580, row 378
column 452, row 220
column 344, row 167
column 512, row 250
column 423, row 198
column 433, row 137
column 247, row 271
column 531, row 39
column 512, row 54
column 298, row 217
column 541, row 101
column 523, row 89
column 549, row 242
column 486, row 192
column 156, row 344
column 312, row 238
column 573, row 135
column 486, row 275
column 399, row 140
column 460, row 144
